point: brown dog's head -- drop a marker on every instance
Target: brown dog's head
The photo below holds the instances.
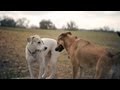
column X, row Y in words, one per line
column 60, row 41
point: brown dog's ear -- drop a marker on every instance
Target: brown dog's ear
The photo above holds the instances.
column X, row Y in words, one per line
column 76, row 37
column 69, row 33
column 63, row 34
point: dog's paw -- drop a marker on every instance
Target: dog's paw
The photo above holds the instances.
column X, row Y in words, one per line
column 32, row 78
column 49, row 78
column 39, row 77
column 43, row 77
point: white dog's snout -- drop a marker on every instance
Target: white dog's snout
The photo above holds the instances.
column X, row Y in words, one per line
column 42, row 48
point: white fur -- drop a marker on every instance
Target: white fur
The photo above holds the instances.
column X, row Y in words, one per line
column 42, row 56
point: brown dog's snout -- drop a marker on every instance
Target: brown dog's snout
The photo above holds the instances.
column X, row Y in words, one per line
column 59, row 48
column 56, row 49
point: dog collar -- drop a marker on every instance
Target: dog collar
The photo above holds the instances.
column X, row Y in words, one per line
column 32, row 53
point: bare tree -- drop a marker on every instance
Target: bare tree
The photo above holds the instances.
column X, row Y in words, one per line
column 71, row 26
column 34, row 27
column 22, row 23
column 64, row 27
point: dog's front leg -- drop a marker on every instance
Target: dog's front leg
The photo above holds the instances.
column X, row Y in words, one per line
column 41, row 67
column 45, row 74
column 46, row 68
column 75, row 71
column 81, row 72
column 30, row 69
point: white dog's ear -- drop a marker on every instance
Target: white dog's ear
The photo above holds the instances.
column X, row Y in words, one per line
column 28, row 39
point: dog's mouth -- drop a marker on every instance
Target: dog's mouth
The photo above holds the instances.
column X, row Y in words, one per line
column 37, row 50
column 60, row 48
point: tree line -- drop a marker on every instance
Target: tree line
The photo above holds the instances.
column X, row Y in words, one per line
column 6, row 21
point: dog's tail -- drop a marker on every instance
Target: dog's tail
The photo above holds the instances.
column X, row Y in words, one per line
column 115, row 74
column 118, row 34
column 114, row 55
column 116, row 66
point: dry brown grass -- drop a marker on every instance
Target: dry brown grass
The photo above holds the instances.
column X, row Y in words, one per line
column 12, row 52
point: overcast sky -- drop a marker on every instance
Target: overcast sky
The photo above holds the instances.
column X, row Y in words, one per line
column 83, row 19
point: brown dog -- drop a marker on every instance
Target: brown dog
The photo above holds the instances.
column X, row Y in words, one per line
column 85, row 54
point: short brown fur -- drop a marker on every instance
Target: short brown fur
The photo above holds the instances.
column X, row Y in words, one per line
column 83, row 53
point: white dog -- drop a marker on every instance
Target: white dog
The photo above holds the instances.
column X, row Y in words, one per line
column 43, row 51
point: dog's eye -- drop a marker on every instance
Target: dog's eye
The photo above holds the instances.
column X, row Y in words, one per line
column 38, row 42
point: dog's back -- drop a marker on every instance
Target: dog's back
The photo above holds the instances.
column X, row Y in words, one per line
column 52, row 43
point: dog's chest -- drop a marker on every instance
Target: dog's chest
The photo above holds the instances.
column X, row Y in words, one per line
column 37, row 55
column 72, row 50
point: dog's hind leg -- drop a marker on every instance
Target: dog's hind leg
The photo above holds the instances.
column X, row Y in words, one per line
column 103, row 67
column 53, row 67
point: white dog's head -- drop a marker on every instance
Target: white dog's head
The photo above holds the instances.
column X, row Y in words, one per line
column 36, row 44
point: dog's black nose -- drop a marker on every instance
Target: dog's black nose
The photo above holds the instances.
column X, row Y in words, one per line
column 56, row 49
column 45, row 48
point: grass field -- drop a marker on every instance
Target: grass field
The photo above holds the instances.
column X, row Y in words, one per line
column 12, row 50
